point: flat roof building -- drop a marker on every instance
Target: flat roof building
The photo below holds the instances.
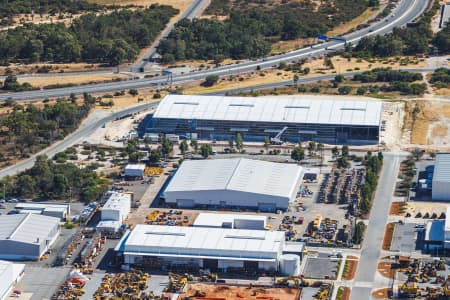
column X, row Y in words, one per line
column 236, row 221
column 134, row 170
column 27, row 236
column 441, row 178
column 236, row 182
column 10, row 274
column 200, row 247
column 57, row 210
column 115, row 211
column 327, row 119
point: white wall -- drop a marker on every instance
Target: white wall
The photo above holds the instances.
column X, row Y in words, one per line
column 6, row 281
column 230, row 198
column 441, row 191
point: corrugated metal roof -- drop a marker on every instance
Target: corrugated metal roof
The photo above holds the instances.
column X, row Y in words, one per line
column 118, row 201
column 135, row 167
column 26, row 228
column 238, row 174
column 217, row 219
column 442, row 168
column 292, row 109
column 203, row 241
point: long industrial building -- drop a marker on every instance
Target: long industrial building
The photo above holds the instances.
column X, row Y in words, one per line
column 233, row 183
column 295, row 118
column 27, row 236
column 209, row 248
column 115, row 211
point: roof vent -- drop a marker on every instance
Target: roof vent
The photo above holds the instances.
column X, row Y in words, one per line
column 241, row 105
column 166, row 233
column 353, row 108
column 298, row 106
column 243, row 237
column 186, row 103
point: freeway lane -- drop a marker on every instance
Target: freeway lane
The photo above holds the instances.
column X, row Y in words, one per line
column 89, row 125
column 405, row 12
column 373, row 238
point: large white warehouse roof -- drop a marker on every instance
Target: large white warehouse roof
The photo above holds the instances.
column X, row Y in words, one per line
column 226, row 220
column 204, row 242
column 26, row 228
column 237, row 174
column 285, row 109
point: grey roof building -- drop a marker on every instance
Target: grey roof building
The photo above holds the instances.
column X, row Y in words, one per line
column 27, row 236
column 355, row 120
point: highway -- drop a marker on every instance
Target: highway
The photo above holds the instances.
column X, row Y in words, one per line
column 405, row 12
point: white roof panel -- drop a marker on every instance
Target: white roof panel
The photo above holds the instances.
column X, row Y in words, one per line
column 118, row 201
column 135, row 167
column 442, row 168
column 217, row 219
column 238, row 174
column 26, row 228
column 202, row 241
column 292, row 109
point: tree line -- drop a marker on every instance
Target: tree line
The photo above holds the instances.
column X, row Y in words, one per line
column 441, row 78
column 412, row 40
column 108, row 38
column 28, row 128
column 250, row 32
column 8, row 8
column 53, row 180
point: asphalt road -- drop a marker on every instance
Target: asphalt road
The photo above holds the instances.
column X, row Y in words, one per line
column 405, row 12
column 93, row 122
column 373, row 238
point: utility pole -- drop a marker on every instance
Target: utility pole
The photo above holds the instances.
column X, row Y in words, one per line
column 4, row 190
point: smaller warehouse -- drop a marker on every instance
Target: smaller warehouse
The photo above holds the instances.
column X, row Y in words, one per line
column 233, row 183
column 27, row 236
column 441, row 178
column 214, row 249
column 10, row 274
column 114, row 212
column 134, row 171
column 57, row 210
column 235, row 221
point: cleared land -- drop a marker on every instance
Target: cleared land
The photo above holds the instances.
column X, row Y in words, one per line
column 398, row 208
column 76, row 80
column 351, row 264
column 388, row 234
column 237, row 292
column 385, row 269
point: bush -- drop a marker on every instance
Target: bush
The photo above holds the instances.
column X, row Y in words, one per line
column 210, row 80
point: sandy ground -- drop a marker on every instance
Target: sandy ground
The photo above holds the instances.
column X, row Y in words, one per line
column 414, row 207
column 180, row 4
column 238, row 293
column 77, row 80
column 57, row 68
column 393, row 116
column 431, row 127
column 316, row 66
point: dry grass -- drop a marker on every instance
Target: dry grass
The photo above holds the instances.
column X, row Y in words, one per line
column 128, row 100
column 419, row 128
column 77, row 80
column 397, row 208
column 388, row 234
column 180, row 4
column 345, row 293
column 347, row 26
column 385, row 269
column 442, row 92
column 439, row 130
column 56, row 68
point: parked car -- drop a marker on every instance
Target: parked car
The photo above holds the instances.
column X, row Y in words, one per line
column 2, row 206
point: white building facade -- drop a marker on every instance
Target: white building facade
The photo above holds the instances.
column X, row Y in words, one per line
column 247, row 183
column 441, row 178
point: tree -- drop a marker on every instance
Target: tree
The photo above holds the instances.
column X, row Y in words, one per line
column 296, row 79
column 210, row 80
column 133, row 92
column 345, row 90
column 206, row 150
column 194, row 145
column 155, row 155
column 320, row 148
column 183, row 147
column 335, row 152
column 338, row 78
column 417, row 153
column 166, row 147
column 26, row 186
column 239, row 142
column 311, row 149
column 298, row 153
column 359, row 232
column 344, row 151
column 266, row 143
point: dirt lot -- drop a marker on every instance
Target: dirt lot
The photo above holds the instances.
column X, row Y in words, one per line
column 345, row 293
column 385, row 269
column 381, row 293
column 397, row 208
column 389, row 232
column 237, row 293
column 414, row 207
column 351, row 264
column 77, row 80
